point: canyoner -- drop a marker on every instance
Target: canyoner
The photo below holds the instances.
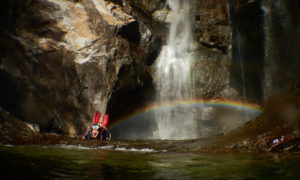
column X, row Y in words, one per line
column 98, row 129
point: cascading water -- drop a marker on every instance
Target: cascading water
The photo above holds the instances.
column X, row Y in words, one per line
column 242, row 66
column 173, row 75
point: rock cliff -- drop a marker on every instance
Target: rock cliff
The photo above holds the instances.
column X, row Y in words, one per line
column 60, row 60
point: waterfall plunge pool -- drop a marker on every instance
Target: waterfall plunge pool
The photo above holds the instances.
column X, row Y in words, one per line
column 48, row 162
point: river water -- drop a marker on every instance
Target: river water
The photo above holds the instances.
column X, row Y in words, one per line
column 58, row 162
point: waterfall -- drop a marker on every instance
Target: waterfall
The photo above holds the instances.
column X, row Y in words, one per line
column 173, row 75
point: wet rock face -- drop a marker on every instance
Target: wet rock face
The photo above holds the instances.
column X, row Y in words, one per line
column 60, row 59
column 265, row 38
column 211, row 71
column 211, row 20
column 281, row 46
column 212, row 24
column 247, row 49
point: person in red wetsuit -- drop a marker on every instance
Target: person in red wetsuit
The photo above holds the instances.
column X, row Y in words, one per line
column 98, row 129
column 93, row 130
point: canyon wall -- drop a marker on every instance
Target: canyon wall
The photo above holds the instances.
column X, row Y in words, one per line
column 60, row 60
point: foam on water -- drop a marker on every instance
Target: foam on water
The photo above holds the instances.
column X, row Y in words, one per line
column 107, row 147
column 134, row 149
column 8, row 145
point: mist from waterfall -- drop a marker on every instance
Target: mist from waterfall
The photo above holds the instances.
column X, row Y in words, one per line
column 173, row 75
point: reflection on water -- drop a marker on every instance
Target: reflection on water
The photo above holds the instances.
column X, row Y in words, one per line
column 66, row 163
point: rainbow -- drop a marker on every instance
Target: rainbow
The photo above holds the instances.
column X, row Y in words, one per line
column 190, row 103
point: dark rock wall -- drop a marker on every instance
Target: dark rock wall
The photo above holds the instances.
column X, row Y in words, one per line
column 247, row 50
column 265, row 39
column 281, row 45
